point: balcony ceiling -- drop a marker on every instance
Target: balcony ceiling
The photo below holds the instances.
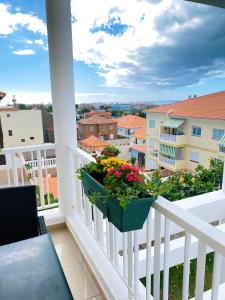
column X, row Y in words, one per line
column 218, row 3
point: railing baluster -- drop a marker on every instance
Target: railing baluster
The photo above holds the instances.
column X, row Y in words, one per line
column 136, row 261
column 14, row 169
column 216, row 276
column 7, row 158
column 166, row 259
column 186, row 272
column 32, row 167
column 116, row 254
column 111, row 242
column 157, row 244
column 130, row 263
column 46, row 176
column 148, row 256
column 200, row 276
column 40, row 179
column 107, row 237
column 125, row 258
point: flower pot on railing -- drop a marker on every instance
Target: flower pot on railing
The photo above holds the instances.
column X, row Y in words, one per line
column 132, row 217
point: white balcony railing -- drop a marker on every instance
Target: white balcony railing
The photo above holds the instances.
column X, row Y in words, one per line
column 167, row 137
column 192, row 238
column 31, row 165
column 168, row 161
column 174, row 233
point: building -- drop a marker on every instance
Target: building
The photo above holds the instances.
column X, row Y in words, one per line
column 104, row 114
column 21, row 127
column 48, row 127
column 184, row 134
column 120, row 107
column 101, row 127
column 140, row 136
column 93, row 144
column 127, row 125
column 138, row 152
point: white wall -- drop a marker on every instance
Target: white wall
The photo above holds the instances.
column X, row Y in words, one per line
column 24, row 125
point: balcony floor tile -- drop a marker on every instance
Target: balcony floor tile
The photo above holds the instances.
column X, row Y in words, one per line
column 81, row 281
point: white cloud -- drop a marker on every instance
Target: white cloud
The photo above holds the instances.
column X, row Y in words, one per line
column 109, row 51
column 24, row 52
column 37, row 42
column 10, row 22
column 27, row 97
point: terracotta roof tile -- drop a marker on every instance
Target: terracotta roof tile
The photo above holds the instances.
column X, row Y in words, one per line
column 93, row 141
column 131, row 121
column 97, row 120
column 7, row 108
column 140, row 134
column 140, row 148
column 211, row 106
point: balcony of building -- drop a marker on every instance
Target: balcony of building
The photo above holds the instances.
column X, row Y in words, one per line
column 172, row 133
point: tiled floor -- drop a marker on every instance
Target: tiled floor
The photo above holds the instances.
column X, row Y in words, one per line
column 81, row 281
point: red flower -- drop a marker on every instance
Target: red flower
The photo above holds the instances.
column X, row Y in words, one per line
column 126, row 167
column 135, row 169
column 117, row 174
column 110, row 171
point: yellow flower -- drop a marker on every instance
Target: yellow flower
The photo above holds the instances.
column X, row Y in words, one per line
column 193, row 180
column 181, row 179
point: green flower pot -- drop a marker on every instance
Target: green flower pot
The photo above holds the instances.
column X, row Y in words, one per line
column 132, row 217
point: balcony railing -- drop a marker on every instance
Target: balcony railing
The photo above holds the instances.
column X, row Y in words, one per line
column 168, row 161
column 31, row 165
column 192, row 238
column 174, row 139
column 174, row 233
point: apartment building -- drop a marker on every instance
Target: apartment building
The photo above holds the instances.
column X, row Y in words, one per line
column 21, row 127
column 129, row 124
column 184, row 134
column 101, row 127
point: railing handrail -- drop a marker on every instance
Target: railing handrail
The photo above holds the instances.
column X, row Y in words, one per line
column 205, row 232
column 28, row 148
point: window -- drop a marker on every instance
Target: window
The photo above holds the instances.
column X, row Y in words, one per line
column 151, row 123
column 217, row 134
column 151, row 144
column 103, row 128
column 194, row 156
column 10, row 132
column 31, row 138
column 196, row 131
column 22, row 140
column 8, row 115
column 92, row 128
column 111, row 126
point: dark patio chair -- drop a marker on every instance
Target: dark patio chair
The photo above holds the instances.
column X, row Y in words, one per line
column 18, row 214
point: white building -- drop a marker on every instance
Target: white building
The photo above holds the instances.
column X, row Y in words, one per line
column 21, row 128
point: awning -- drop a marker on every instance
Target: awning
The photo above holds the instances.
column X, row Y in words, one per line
column 168, row 150
column 222, row 142
column 173, row 123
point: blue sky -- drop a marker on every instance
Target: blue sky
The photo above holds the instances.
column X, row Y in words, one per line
column 124, row 50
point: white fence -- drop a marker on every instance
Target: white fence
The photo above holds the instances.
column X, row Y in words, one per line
column 168, row 161
column 168, row 137
column 35, row 171
column 174, row 234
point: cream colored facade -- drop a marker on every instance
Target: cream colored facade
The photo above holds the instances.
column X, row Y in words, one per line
column 202, row 148
column 22, row 128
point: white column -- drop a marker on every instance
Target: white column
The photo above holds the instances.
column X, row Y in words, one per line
column 62, row 89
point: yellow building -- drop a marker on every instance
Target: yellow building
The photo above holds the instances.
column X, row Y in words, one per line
column 184, row 134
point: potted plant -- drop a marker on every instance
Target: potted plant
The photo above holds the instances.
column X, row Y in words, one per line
column 119, row 190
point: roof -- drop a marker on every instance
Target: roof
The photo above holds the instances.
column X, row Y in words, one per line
column 131, row 121
column 105, row 114
column 140, row 148
column 211, row 106
column 96, row 120
column 93, row 141
column 140, row 134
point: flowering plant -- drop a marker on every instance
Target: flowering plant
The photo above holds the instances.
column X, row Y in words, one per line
column 120, row 179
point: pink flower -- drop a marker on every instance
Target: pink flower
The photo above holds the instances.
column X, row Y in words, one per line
column 126, row 167
column 135, row 169
column 117, row 174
